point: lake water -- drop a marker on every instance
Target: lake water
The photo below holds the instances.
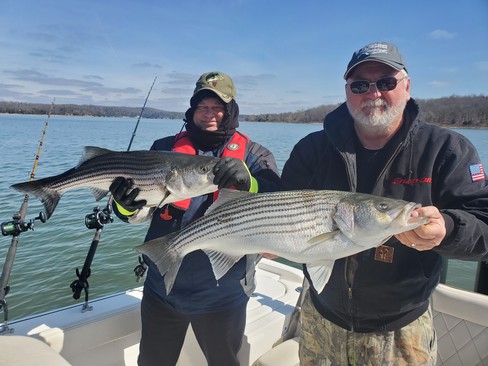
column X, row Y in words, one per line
column 47, row 258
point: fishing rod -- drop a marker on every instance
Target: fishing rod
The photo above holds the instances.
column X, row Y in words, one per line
column 15, row 227
column 97, row 220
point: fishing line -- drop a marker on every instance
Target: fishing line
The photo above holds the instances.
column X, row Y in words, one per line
column 97, row 220
column 14, row 228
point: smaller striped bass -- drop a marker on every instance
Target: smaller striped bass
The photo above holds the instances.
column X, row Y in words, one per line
column 310, row 227
column 162, row 176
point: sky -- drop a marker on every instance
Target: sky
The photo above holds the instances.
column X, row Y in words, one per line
column 283, row 55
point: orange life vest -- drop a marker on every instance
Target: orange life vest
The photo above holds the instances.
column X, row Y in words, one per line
column 235, row 148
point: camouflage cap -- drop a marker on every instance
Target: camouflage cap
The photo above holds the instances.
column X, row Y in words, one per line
column 218, row 82
column 383, row 52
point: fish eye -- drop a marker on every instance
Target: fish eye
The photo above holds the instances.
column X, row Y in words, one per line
column 204, row 169
column 382, row 206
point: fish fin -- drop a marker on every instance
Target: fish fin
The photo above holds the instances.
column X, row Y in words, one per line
column 323, row 237
column 98, row 193
column 385, row 240
column 165, row 198
column 320, row 273
column 89, row 152
column 221, row 263
column 166, row 259
column 49, row 197
column 227, row 195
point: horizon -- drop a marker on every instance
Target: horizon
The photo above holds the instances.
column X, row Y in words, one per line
column 283, row 56
column 240, row 114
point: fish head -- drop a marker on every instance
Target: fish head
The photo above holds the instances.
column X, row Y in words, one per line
column 370, row 220
column 191, row 180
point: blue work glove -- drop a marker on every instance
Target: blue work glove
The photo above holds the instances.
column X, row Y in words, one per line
column 231, row 172
column 125, row 196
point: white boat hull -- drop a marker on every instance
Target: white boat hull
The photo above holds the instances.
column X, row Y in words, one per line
column 109, row 334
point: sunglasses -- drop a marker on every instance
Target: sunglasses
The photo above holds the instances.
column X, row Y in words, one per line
column 383, row 85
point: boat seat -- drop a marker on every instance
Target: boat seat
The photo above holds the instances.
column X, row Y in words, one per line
column 28, row 351
column 284, row 354
column 461, row 324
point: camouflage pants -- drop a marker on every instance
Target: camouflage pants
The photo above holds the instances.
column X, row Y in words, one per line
column 323, row 343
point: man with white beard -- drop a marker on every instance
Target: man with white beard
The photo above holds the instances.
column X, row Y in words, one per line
column 375, row 308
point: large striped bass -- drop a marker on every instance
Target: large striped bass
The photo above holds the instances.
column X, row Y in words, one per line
column 311, row 227
column 162, row 177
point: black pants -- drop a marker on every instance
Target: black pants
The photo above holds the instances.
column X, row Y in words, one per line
column 163, row 333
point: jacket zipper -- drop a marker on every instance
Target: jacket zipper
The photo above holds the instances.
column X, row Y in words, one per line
column 347, row 265
column 347, row 261
column 383, row 171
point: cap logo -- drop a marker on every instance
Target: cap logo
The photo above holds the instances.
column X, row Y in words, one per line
column 213, row 78
column 233, row 146
column 373, row 49
column 382, row 52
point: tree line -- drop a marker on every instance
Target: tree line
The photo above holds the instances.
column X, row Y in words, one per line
column 454, row 111
column 85, row 110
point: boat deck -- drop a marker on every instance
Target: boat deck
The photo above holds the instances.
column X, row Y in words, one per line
column 109, row 334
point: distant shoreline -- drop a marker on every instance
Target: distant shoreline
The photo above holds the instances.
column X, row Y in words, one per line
column 240, row 120
column 469, row 112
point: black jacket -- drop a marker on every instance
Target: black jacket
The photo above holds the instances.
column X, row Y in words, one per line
column 429, row 165
column 195, row 290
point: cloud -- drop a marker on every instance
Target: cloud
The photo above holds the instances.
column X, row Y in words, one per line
column 441, row 34
column 175, row 91
column 76, row 90
column 105, row 90
column 9, row 92
column 42, row 37
column 63, row 92
column 438, row 84
column 449, row 70
column 178, row 78
column 40, row 78
column 252, row 80
column 482, row 65
column 295, row 91
column 8, row 86
column 96, row 77
column 50, row 56
column 147, row 65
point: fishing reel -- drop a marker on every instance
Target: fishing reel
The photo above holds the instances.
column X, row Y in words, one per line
column 99, row 218
column 18, row 225
column 140, row 269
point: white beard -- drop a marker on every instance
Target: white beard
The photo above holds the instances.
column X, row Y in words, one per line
column 381, row 117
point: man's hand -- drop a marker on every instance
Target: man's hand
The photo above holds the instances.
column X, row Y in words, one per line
column 428, row 236
column 124, row 196
column 231, row 172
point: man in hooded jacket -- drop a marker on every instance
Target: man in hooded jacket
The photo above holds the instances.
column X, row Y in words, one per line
column 375, row 308
column 216, row 310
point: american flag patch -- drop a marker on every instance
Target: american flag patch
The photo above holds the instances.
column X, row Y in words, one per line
column 477, row 172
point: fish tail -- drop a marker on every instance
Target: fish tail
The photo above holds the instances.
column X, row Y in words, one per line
column 48, row 196
column 164, row 256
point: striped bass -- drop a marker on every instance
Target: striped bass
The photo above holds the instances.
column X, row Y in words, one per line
column 162, row 177
column 310, row 227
